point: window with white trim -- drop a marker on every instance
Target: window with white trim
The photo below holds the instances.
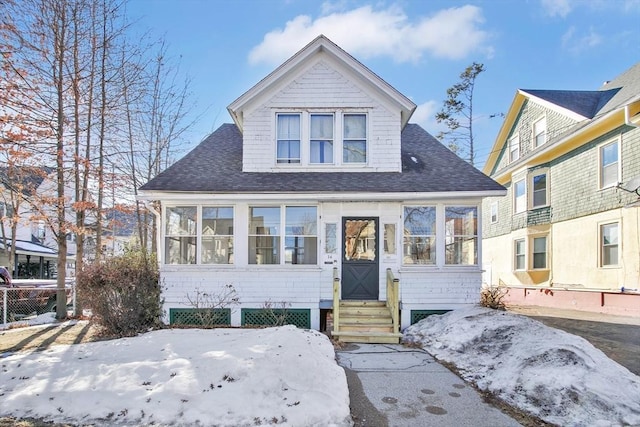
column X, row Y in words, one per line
column 321, row 139
column 283, row 235
column 514, row 148
column 520, row 260
column 217, row 235
column 539, row 253
column 354, row 140
column 539, row 193
column 609, row 168
column 609, row 244
column 288, row 138
column 540, row 132
column 494, row 212
column 181, row 228
column 419, row 241
column 520, row 196
column 461, row 235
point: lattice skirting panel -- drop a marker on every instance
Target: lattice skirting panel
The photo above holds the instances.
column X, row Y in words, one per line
column 418, row 315
column 200, row 316
column 270, row 317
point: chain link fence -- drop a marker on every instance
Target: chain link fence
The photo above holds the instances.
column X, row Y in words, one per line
column 28, row 299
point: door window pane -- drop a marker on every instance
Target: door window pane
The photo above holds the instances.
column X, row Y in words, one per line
column 419, row 241
column 360, row 240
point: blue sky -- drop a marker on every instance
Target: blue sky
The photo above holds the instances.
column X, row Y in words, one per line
column 419, row 47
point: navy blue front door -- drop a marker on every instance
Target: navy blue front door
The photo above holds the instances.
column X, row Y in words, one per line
column 360, row 261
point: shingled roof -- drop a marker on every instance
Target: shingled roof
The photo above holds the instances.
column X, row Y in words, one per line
column 586, row 103
column 215, row 166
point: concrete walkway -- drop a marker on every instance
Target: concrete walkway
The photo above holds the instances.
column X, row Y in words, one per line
column 392, row 385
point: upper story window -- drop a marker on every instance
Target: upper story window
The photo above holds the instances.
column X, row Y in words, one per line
column 520, row 196
column 494, row 212
column 609, row 169
column 288, row 139
column 354, row 141
column 321, row 138
column 540, row 132
column 539, row 185
column 514, row 148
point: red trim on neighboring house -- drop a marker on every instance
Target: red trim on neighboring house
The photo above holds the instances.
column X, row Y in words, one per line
column 607, row 302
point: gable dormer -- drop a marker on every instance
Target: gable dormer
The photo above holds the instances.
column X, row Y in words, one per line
column 321, row 111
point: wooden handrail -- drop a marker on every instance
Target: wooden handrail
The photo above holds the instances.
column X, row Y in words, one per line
column 393, row 299
column 336, row 300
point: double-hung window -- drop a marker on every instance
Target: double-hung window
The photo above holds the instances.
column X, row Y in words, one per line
column 539, row 252
column 217, row 235
column 514, row 148
column 540, row 132
column 609, row 244
column 354, row 141
column 494, row 212
column 519, row 255
column 283, row 235
column 181, row 234
column 461, row 235
column 419, row 242
column 321, row 139
column 520, row 196
column 539, row 185
column 609, row 164
column 288, row 138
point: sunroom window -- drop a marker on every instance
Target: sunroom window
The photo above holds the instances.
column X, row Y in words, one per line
column 321, row 141
column 419, row 242
column 181, row 235
column 288, row 141
column 268, row 243
column 217, row 235
column 461, row 235
column 354, row 141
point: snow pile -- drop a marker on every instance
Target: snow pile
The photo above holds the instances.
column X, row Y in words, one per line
column 554, row 375
column 222, row 377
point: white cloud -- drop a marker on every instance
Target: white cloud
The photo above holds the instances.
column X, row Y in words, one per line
column 452, row 33
column 578, row 43
column 557, row 7
column 425, row 116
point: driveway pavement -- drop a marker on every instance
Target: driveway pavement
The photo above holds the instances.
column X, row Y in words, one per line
column 392, row 385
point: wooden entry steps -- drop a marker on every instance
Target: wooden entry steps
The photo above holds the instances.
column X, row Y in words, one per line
column 366, row 322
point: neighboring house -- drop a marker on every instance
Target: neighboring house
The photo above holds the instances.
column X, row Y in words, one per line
column 566, row 235
column 36, row 245
column 320, row 174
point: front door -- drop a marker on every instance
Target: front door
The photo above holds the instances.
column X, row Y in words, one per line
column 360, row 258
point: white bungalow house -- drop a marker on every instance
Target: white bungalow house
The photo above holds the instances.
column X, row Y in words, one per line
column 320, row 196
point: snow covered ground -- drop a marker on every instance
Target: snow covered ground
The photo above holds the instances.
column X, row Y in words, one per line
column 557, row 376
column 231, row 377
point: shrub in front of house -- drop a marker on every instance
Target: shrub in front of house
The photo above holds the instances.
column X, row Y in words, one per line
column 123, row 293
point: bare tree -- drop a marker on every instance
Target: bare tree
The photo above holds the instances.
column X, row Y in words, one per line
column 457, row 114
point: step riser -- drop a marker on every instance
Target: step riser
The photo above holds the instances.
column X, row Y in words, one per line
column 370, row 340
column 366, row 311
column 365, row 321
column 358, row 328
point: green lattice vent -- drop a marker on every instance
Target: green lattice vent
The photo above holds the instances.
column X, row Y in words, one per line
column 200, row 316
column 418, row 315
column 271, row 317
